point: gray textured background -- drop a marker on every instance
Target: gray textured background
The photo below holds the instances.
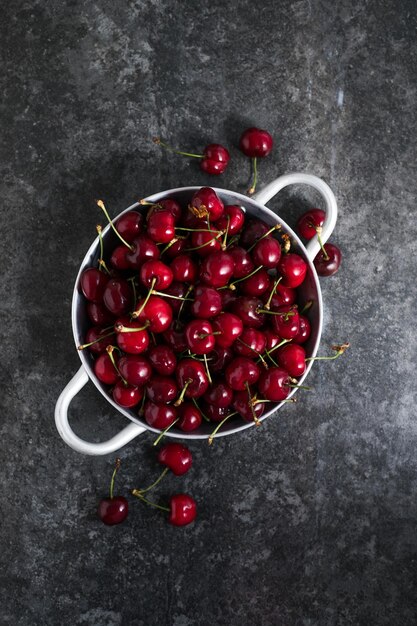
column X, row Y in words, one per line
column 310, row 520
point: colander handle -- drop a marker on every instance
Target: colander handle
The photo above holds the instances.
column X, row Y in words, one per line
column 271, row 190
column 61, row 420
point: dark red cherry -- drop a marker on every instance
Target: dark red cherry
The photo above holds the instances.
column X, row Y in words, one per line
column 240, row 372
column 282, row 295
column 292, row 358
column 167, row 204
column 219, row 358
column 215, row 413
column 304, row 331
column 272, row 339
column 287, row 323
column 216, row 158
column 217, row 269
column 105, row 370
column 119, row 258
column 251, row 343
column 232, row 219
column 143, row 249
column 127, row 396
column 293, row 269
column 113, row 511
column 157, row 312
column 228, row 327
column 219, row 394
column 207, row 302
column 194, row 371
column 206, row 203
column 175, row 337
column 134, row 342
column 190, row 417
column 160, row 416
column 242, row 406
column 228, row 298
column 155, row 270
column 118, row 296
column 256, row 284
column 255, row 142
column 93, row 283
column 99, row 338
column 129, row 225
column 135, row 369
column 274, row 384
column 204, row 242
column 161, row 226
column 177, row 457
column 267, row 252
column 179, row 290
column 177, row 247
column 308, row 222
column 247, row 309
column 242, row 260
column 183, row 509
column 253, row 230
column 163, row 359
column 199, row 336
column 328, row 266
column 98, row 314
column 184, row 269
column 161, row 389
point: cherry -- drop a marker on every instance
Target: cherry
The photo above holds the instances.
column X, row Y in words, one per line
column 219, row 358
column 190, row 417
column 179, row 291
column 156, row 311
column 127, row 396
column 129, row 225
column 199, row 336
column 183, row 509
column 161, row 226
column 97, row 339
column 248, row 311
column 142, row 249
column 184, row 269
column 136, row 370
column 105, row 370
column 134, row 342
column 308, row 222
column 246, row 408
column 267, row 252
column 161, row 389
column 98, row 314
column 175, row 337
column 162, row 359
column 304, row 331
column 242, row 260
column 217, row 269
column 255, row 142
column 205, row 241
column 292, row 358
column 241, row 372
column 177, row 457
column 272, row 339
column 167, row 204
column 216, row 413
column 159, row 416
column 216, row 158
column 274, row 384
column 232, row 219
column 93, row 283
column 255, row 284
column 254, row 229
column 207, row 302
column 118, row 296
column 219, row 394
column 155, row 269
column 228, row 298
column 113, row 510
column 282, row 295
column 191, row 370
column 176, row 246
column 206, row 204
column 327, row 262
column 293, row 269
column 287, row 322
column 251, row 343
column 119, row 258
column 228, row 327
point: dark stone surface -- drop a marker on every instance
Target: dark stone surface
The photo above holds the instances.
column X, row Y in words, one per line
column 311, row 519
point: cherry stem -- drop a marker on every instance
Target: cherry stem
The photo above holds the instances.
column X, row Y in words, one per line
column 207, row 368
column 181, row 396
column 301, row 387
column 171, row 243
column 306, row 307
column 226, row 232
column 239, row 280
column 190, row 288
column 158, row 480
column 100, row 204
column 319, row 230
column 125, row 329
column 137, row 493
column 142, row 404
column 200, row 230
column 203, row 245
column 102, row 265
column 285, row 314
column 252, row 188
column 219, row 425
column 162, row 434
column 339, row 351
column 203, row 414
column 268, row 303
column 264, row 363
column 136, row 314
column 99, row 229
column 232, row 241
column 132, row 280
column 281, row 343
column 110, row 350
column 87, row 345
column 158, row 142
column 255, row 419
column 268, row 232
column 204, row 335
column 116, row 469
column 168, row 295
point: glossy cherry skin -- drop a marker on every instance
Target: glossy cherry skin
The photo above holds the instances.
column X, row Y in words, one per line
column 98, row 332
column 163, row 359
column 199, row 336
column 217, row 269
column 175, row 337
column 219, row 394
column 119, row 258
column 135, row 369
column 308, row 222
column 134, row 342
column 247, row 309
column 177, row 457
column 240, row 372
column 219, row 358
column 216, row 158
column 143, row 249
column 113, row 511
column 304, row 331
column 184, row 269
column 157, row 312
column 331, row 265
column 155, row 270
column 118, row 296
column 293, row 269
column 206, row 203
column 98, row 314
column 251, row 343
column 292, row 358
column 177, row 247
column 183, row 509
column 228, row 298
column 161, row 389
column 229, row 327
column 272, row 338
column 105, row 370
column 190, row 417
column 93, row 283
column 161, row 226
column 130, row 225
column 253, row 230
column 127, row 396
column 189, row 369
column 287, row 323
column 204, row 242
column 167, row 204
column 255, row 142
column 215, row 413
column 274, row 384
column 180, row 291
column 282, row 295
column 232, row 219
column 242, row 260
column 256, row 284
column 267, row 252
column 207, row 302
column 159, row 415
column 242, row 406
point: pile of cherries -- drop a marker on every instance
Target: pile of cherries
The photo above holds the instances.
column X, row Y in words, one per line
column 195, row 315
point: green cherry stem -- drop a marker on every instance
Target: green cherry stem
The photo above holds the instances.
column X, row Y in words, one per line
column 100, row 237
column 137, row 493
column 136, row 314
column 250, row 402
column 202, row 413
column 252, row 188
column 268, row 232
column 157, row 481
column 339, row 351
column 168, row 295
column 180, row 398
column 100, row 204
column 219, row 425
column 301, row 387
column 189, row 290
column 162, row 433
column 306, row 307
column 87, row 345
column 226, row 232
column 116, row 469
column 319, row 230
column 158, row 142
column 207, row 368
column 110, row 350
column 125, row 329
column 264, row 363
column 239, row 280
column 142, row 404
column 268, row 302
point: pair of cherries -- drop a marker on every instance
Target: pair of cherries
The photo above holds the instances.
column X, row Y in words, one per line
column 310, row 225
column 182, row 507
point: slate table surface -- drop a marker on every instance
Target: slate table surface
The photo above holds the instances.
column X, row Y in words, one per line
column 309, row 520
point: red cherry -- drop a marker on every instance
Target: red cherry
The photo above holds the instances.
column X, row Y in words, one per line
column 183, row 509
column 293, row 269
column 155, row 269
column 241, row 372
column 190, row 417
column 254, row 229
column 134, row 342
column 159, row 416
column 267, row 252
column 105, row 370
column 232, row 219
column 161, row 389
column 255, row 142
column 228, row 298
column 219, row 394
column 129, row 225
column 113, row 511
column 215, row 413
column 242, row 406
column 184, row 269
column 242, row 260
column 179, row 290
column 251, row 343
column 304, row 331
column 292, row 358
column 93, row 283
column 177, row 457
column 256, row 284
column 219, row 358
column 287, row 323
column 216, row 158
column 175, row 337
column 207, row 302
column 118, row 296
column 272, row 339
column 247, row 309
column 199, row 336
column 274, row 384
column 194, row 371
column 119, row 258
column 204, row 242
column 229, row 327
column 205, row 203
column 127, row 396
column 135, row 369
column 157, row 312
column 143, row 249
column 167, row 204
column 177, row 247
column 328, row 266
column 99, row 314
column 307, row 224
column 161, row 226
column 282, row 295
column 162, row 359
column 99, row 338
column 217, row 269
